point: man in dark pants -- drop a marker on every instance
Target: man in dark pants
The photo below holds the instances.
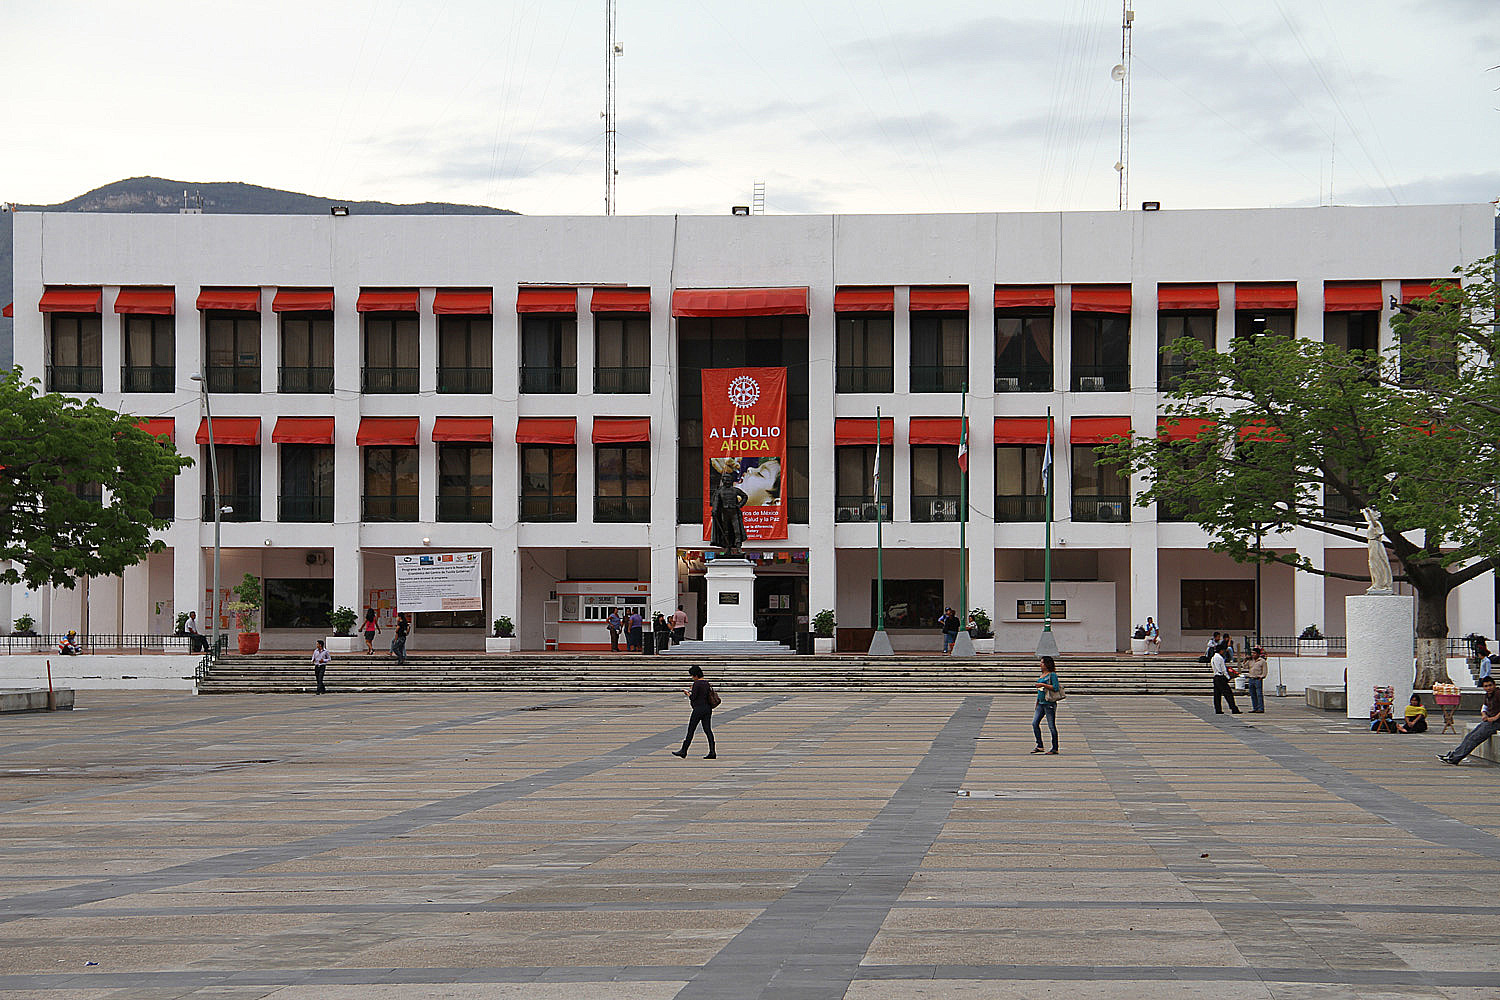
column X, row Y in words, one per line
column 614, row 622
column 320, row 658
column 701, row 696
column 1222, row 687
column 1489, row 724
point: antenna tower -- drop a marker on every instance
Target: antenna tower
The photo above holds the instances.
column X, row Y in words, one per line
column 612, row 51
column 758, row 198
column 1122, row 74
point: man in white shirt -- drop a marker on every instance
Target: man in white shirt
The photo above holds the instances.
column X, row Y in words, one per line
column 320, row 660
column 1153, row 636
column 1222, row 688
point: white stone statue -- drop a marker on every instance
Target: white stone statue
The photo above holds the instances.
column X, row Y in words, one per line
column 1380, row 562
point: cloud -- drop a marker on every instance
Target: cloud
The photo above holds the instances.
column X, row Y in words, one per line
column 1452, row 189
column 993, row 43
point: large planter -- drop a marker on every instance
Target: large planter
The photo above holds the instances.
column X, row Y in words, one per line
column 249, row 643
column 344, row 643
column 823, row 645
column 495, row 644
column 1312, row 647
column 984, row 645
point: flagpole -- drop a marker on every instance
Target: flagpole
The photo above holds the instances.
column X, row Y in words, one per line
column 880, row 642
column 964, row 646
column 1047, row 644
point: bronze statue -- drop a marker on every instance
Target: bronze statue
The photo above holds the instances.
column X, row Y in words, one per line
column 728, row 524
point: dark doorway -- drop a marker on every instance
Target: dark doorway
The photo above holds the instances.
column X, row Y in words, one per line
column 779, row 601
column 698, row 594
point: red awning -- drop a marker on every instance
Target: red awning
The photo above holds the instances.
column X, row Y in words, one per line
column 1101, row 298
column 556, row 301
column 71, row 300
column 547, row 430
column 236, row 299
column 1351, row 296
column 740, row 301
column 1024, row 297
column 1413, row 290
column 621, row 430
column 9, row 310
column 303, row 430
column 1182, row 428
column 936, row 430
column 1265, row 295
column 621, row 300
column 864, row 300
column 161, row 427
column 1259, row 430
column 464, row 430
column 1200, row 297
column 392, row 432
column 450, row 302
column 231, row 430
column 386, row 300
column 954, row 298
column 861, row 430
column 303, row 300
column 1097, row 430
column 1020, row 430
column 146, row 301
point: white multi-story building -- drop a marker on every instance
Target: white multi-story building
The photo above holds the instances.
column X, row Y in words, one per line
column 528, row 388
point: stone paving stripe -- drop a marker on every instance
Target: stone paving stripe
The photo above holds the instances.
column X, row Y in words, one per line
column 1171, row 973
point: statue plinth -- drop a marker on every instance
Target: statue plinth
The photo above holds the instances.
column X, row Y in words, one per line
column 1381, row 631
column 731, row 601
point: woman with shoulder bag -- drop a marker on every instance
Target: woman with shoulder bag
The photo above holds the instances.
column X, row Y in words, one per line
column 1048, row 693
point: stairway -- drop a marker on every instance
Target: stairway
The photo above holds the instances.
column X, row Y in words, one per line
column 542, row 672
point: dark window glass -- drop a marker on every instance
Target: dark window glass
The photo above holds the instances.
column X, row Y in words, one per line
column 1023, row 350
column 233, row 351
column 1257, row 322
column 1020, row 487
column 1218, row 605
column 936, row 482
column 549, row 483
column 465, row 482
column 148, row 354
column 306, row 482
column 465, row 348
column 908, row 603
column 75, row 353
column 854, row 482
column 1100, row 492
column 1353, row 331
column 622, row 481
column 622, row 354
column 239, row 483
column 392, row 352
column 456, row 619
column 549, row 354
column 391, row 484
column 1173, row 326
column 306, row 352
column 939, row 352
column 1101, row 352
column 299, row 603
column 866, row 358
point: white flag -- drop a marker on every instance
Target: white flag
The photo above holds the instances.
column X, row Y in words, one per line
column 1047, row 454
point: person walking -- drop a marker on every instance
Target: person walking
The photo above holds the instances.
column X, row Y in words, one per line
column 704, row 699
column 613, row 623
column 1489, row 724
column 398, row 644
column 1048, row 690
column 372, row 626
column 320, row 660
column 679, row 626
column 1255, row 679
column 633, row 642
column 948, row 622
column 1222, row 687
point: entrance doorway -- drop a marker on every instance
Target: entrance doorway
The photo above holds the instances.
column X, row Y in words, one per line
column 780, row 601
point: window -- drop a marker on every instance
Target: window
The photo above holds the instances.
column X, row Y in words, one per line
column 1353, row 331
column 549, row 483
column 1023, row 350
column 1218, row 605
column 622, row 482
column 233, row 340
column 391, row 481
column 854, row 482
column 392, row 354
column 1100, row 493
column 239, row 483
column 908, row 603
column 1258, row 322
column 939, row 352
column 306, row 483
column 455, row 619
column 1436, row 356
column 149, row 360
column 306, row 352
column 164, row 506
column 866, row 360
column 76, row 360
column 1172, row 327
column 622, row 354
column 299, row 603
column 936, row 482
column 1020, row 487
column 549, row 354
column 465, row 482
column 1101, row 352
column 465, row 347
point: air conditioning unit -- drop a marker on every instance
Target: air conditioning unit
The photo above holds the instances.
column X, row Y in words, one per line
column 843, row 514
column 1111, row 511
column 870, row 511
column 1091, row 383
column 1007, row 385
column 944, row 510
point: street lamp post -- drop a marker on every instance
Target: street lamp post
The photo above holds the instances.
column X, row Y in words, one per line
column 213, row 475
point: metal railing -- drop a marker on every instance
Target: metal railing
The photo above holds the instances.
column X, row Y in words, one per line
column 465, row 380
column 305, row 510
column 1021, row 507
column 389, row 379
column 613, row 380
column 1023, row 380
column 464, row 508
column 1288, row 645
column 1101, row 378
column 935, row 507
column 75, row 378
column 242, row 507
column 548, row 379
column 389, row 508
column 305, row 379
column 148, row 378
column 939, row 378
column 234, row 378
column 96, row 643
column 875, row 379
column 621, row 510
column 1109, row 509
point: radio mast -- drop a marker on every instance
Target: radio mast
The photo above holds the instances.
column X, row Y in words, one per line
column 1121, row 73
column 612, row 51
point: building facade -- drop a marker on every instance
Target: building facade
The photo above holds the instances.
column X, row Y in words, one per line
column 528, row 388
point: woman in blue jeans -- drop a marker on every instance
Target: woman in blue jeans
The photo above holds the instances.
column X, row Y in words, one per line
column 1045, row 683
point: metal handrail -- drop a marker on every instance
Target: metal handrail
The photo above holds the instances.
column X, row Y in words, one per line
column 96, row 643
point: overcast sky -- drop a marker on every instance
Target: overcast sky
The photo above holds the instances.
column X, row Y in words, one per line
column 838, row 105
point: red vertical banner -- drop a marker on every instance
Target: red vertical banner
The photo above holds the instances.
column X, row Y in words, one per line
column 744, row 431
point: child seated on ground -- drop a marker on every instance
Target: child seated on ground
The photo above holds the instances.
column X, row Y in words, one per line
column 1416, row 716
column 68, row 644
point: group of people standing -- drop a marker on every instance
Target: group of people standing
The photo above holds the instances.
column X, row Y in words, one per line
column 1221, row 658
column 664, row 630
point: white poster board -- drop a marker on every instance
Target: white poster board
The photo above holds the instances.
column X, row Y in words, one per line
column 439, row 581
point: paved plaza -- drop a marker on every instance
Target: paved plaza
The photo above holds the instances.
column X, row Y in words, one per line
column 847, row 844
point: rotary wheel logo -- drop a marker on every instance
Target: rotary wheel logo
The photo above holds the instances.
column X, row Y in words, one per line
column 743, row 392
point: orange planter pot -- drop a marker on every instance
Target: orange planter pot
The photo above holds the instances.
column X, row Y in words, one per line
column 249, row 642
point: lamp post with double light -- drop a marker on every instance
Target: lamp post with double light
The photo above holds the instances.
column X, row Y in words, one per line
column 213, row 475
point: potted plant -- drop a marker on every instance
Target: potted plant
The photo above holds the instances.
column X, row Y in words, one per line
column 824, row 623
column 981, row 630
column 1312, row 642
column 180, row 628
column 24, row 625
column 343, row 621
column 504, row 639
column 244, row 610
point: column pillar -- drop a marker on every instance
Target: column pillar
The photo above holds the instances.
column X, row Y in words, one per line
column 661, row 531
column 822, row 554
column 1308, row 602
column 349, row 571
column 1145, row 585
column 111, row 347
column 135, row 605
column 901, row 420
column 505, row 578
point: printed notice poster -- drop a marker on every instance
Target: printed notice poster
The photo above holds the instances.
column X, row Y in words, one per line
column 439, row 581
column 744, row 432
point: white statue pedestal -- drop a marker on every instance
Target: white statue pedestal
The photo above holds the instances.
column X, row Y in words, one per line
column 731, row 601
column 1381, row 630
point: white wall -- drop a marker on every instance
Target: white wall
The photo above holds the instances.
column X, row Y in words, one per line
column 172, row 671
column 1090, row 626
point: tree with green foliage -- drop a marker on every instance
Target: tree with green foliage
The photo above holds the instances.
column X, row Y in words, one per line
column 77, row 482
column 1279, row 433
